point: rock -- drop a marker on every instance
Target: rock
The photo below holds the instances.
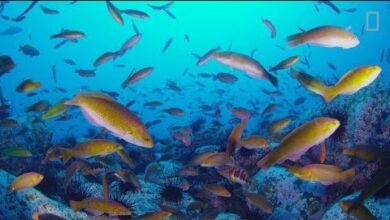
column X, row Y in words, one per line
column 379, row 207
column 23, row 203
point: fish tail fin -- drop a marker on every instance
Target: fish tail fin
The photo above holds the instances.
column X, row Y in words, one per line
column 273, row 80
column 66, row 155
column 329, row 93
column 76, row 100
column 349, row 175
column 75, row 205
column 294, row 40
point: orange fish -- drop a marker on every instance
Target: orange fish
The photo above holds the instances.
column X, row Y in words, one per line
column 109, row 114
column 115, row 13
column 217, row 190
column 100, row 206
column 25, row 180
column 217, row 159
column 235, row 136
column 323, row 152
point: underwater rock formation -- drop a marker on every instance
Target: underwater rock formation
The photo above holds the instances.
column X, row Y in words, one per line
column 379, row 207
column 22, row 204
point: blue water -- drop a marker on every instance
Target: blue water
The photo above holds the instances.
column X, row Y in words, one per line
column 208, row 25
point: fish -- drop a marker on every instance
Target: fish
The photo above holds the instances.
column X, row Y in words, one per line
column 135, row 27
column 253, row 51
column 235, row 174
column 197, row 205
column 351, row 82
column 270, row 26
column 360, row 212
column 167, row 44
column 274, row 93
column 216, row 160
column 182, row 137
column 269, row 109
column 24, row 13
column 323, row 173
column 172, row 210
column 278, row 125
column 323, row 153
column 125, row 158
column 325, row 36
column 350, row 10
column 301, row 29
column 135, row 13
column 157, row 215
column 225, row 78
column 200, row 158
column 259, row 201
column 162, row 7
column 101, row 206
column 15, row 152
column 169, row 13
column 135, row 77
column 46, row 216
column 55, row 110
column 11, row 30
column 253, row 142
column 29, row 50
column 128, row 176
column 90, row 148
column 26, row 180
column 115, row 13
column 245, row 64
column 217, row 190
column 85, row 72
column 306, row 62
column 153, row 103
column 39, row 106
column 104, row 58
column 235, row 136
column 60, row 44
column 381, row 179
column 52, row 153
column 331, row 5
column 207, row 56
column 113, row 116
column 298, row 141
column 8, row 123
column 331, row 66
column 48, row 10
column 187, row 37
column 188, row 171
column 68, row 34
column 6, row 64
column 286, row 63
column 366, row 152
column 28, row 86
column 308, row 81
column 54, row 73
column 174, row 111
column 130, row 43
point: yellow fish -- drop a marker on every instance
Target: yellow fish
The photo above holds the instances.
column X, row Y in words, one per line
column 285, row 63
column 96, row 147
column 25, row 180
column 55, row 110
column 101, row 206
column 323, row 173
column 253, row 142
column 278, row 125
column 352, row 82
column 28, row 86
column 217, row 190
column 158, row 215
column 107, row 113
column 298, row 141
column 308, row 81
column 259, row 201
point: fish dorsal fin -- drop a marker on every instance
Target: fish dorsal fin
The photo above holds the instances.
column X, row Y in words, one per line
column 100, row 95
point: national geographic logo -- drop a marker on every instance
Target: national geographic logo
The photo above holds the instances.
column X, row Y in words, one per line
column 372, row 21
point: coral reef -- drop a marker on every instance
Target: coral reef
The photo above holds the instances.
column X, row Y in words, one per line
column 22, row 204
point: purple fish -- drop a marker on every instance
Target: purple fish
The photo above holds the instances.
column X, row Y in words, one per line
column 170, row 14
column 270, row 26
column 129, row 43
column 54, row 72
column 202, row 60
column 23, row 15
column 331, row 66
column 331, row 5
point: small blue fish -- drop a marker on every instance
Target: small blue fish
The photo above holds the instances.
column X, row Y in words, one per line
column 167, row 44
